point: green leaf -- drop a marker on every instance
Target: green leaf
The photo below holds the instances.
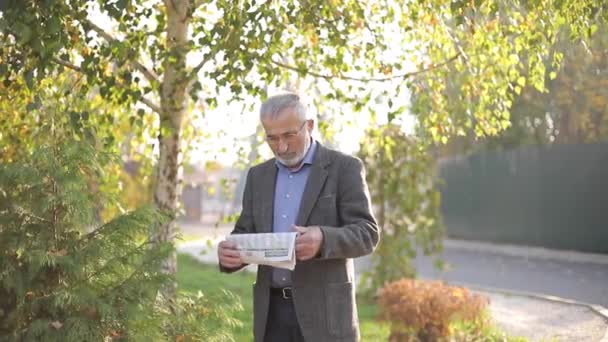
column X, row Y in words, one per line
column 29, row 79
column 24, row 34
column 54, row 25
column 32, row 106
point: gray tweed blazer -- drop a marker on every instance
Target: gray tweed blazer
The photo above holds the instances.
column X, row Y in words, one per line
column 336, row 198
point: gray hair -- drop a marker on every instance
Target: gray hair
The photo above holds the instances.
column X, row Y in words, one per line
column 274, row 105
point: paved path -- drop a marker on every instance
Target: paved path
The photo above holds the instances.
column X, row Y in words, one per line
column 578, row 276
column 519, row 282
column 539, row 319
column 536, row 293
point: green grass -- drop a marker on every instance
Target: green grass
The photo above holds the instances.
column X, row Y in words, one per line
column 193, row 276
column 371, row 329
column 468, row 332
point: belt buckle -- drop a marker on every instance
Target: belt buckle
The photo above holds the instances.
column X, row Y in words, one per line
column 287, row 294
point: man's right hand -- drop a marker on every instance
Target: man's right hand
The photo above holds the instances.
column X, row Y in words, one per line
column 229, row 255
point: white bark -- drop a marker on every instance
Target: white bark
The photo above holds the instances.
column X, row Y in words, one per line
column 173, row 105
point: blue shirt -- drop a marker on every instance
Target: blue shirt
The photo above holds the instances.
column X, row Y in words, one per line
column 288, row 193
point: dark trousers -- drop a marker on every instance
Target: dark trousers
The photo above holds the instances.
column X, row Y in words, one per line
column 282, row 323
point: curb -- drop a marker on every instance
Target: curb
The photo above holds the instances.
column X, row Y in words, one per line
column 597, row 309
column 527, row 251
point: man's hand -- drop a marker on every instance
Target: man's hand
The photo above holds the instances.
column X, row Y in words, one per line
column 308, row 241
column 228, row 255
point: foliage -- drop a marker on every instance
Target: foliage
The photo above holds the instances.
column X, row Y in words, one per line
column 139, row 61
column 66, row 275
column 401, row 178
column 199, row 317
column 574, row 110
column 193, row 276
column 174, row 57
column 498, row 48
column 425, row 309
column 25, row 116
column 333, row 49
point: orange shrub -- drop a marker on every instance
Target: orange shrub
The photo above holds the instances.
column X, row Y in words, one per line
column 423, row 310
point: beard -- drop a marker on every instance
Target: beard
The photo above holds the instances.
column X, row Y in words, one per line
column 295, row 158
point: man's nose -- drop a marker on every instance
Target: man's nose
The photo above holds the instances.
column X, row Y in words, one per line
column 282, row 146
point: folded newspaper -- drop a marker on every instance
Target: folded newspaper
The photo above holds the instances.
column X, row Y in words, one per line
column 273, row 249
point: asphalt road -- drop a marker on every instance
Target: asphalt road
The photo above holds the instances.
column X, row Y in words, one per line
column 570, row 279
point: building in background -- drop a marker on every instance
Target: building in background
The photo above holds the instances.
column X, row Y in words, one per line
column 210, row 193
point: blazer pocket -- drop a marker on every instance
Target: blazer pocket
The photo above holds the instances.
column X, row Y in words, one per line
column 341, row 310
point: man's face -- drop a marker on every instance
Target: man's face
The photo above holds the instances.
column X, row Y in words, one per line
column 288, row 137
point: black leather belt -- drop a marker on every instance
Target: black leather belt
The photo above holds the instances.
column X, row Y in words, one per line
column 283, row 292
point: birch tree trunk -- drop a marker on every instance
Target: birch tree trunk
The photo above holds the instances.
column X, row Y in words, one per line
column 173, row 105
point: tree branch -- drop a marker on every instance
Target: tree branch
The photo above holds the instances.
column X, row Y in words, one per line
column 148, row 74
column 22, row 211
column 67, row 64
column 142, row 99
column 150, row 104
column 378, row 79
column 198, row 67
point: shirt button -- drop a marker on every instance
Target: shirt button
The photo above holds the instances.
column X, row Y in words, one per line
column 284, row 216
column 284, row 279
column 290, row 176
column 287, row 196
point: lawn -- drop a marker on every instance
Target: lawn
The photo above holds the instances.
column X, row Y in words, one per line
column 193, row 276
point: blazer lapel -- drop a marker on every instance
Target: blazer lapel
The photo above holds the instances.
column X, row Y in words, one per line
column 314, row 185
column 266, row 196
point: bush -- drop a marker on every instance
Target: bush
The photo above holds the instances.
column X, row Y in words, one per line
column 402, row 182
column 199, row 317
column 67, row 276
column 424, row 310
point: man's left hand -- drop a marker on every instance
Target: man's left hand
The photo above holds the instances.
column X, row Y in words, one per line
column 308, row 242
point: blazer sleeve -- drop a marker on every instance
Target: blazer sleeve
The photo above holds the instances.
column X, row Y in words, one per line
column 359, row 233
column 245, row 223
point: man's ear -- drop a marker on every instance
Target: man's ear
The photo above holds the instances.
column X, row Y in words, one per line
column 310, row 124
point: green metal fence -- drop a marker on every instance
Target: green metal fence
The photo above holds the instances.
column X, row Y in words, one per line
column 551, row 196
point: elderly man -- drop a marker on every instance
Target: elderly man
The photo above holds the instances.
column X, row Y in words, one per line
column 321, row 194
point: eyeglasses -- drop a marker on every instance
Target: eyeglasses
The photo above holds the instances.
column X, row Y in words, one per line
column 287, row 136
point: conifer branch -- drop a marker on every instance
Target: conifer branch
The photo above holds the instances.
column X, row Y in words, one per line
column 22, row 211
